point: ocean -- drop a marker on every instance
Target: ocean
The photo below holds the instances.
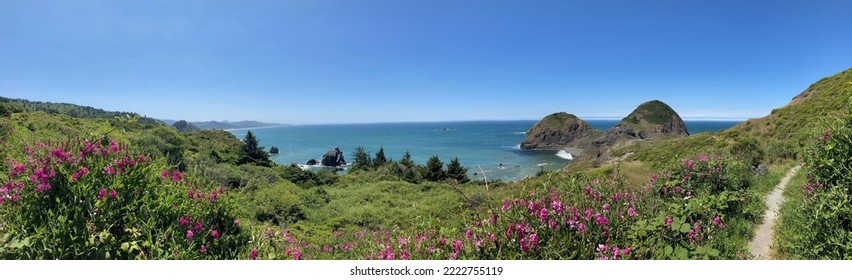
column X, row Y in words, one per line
column 489, row 146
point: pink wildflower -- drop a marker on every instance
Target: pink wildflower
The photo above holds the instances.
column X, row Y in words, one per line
column 164, row 174
column 668, row 221
column 101, row 194
column 17, row 169
column 203, row 249
column 542, row 216
column 506, row 206
column 297, row 255
column 601, row 220
column 557, row 207
column 43, row 187
column 631, row 212
column 253, row 254
column 176, row 176
column 76, row 176
column 457, row 246
column 237, row 222
column 215, row 234
column 183, row 221
column 112, row 194
column 534, row 240
column 717, row 221
column 189, row 235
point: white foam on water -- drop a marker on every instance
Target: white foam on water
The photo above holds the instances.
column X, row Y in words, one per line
column 564, row 154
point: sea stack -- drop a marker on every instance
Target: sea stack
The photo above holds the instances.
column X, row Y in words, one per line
column 273, row 150
column 560, row 131
column 334, row 157
column 651, row 120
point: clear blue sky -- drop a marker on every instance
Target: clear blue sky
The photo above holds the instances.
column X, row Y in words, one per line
column 397, row 60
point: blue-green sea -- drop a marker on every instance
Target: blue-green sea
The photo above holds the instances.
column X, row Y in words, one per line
column 489, row 145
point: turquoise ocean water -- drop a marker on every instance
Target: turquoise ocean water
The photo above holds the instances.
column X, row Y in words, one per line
column 485, row 144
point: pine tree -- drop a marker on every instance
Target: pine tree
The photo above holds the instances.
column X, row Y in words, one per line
column 252, row 152
column 457, row 172
column 434, row 170
column 380, row 159
column 361, row 159
column 406, row 160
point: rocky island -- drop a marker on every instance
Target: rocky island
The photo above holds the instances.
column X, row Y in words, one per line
column 563, row 131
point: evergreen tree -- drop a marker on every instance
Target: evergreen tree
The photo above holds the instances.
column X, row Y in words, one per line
column 361, row 159
column 410, row 174
column 457, row 172
column 252, row 152
column 434, row 170
column 406, row 160
column 380, row 159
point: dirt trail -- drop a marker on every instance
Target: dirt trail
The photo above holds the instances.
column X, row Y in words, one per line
column 759, row 246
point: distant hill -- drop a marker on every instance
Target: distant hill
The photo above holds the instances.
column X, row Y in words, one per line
column 184, row 126
column 226, row 124
column 12, row 105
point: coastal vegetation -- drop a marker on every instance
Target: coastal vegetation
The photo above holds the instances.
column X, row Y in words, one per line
column 82, row 183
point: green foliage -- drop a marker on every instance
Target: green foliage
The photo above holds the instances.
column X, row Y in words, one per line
column 406, row 160
column 655, row 112
column 252, row 152
column 457, row 172
column 748, row 150
column 10, row 105
column 434, row 170
column 380, row 159
column 306, row 178
column 361, row 160
column 278, row 205
column 84, row 200
column 821, row 227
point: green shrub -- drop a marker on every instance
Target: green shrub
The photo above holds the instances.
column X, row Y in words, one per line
column 85, row 200
column 823, row 222
column 278, row 204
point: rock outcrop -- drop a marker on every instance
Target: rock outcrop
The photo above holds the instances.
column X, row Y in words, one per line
column 651, row 120
column 273, row 150
column 563, row 131
column 560, row 131
column 334, row 157
column 311, row 162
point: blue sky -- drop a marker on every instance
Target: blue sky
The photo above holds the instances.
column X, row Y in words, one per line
column 396, row 60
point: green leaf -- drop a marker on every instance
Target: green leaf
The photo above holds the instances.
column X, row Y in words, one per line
column 684, row 228
column 681, row 253
column 669, row 250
